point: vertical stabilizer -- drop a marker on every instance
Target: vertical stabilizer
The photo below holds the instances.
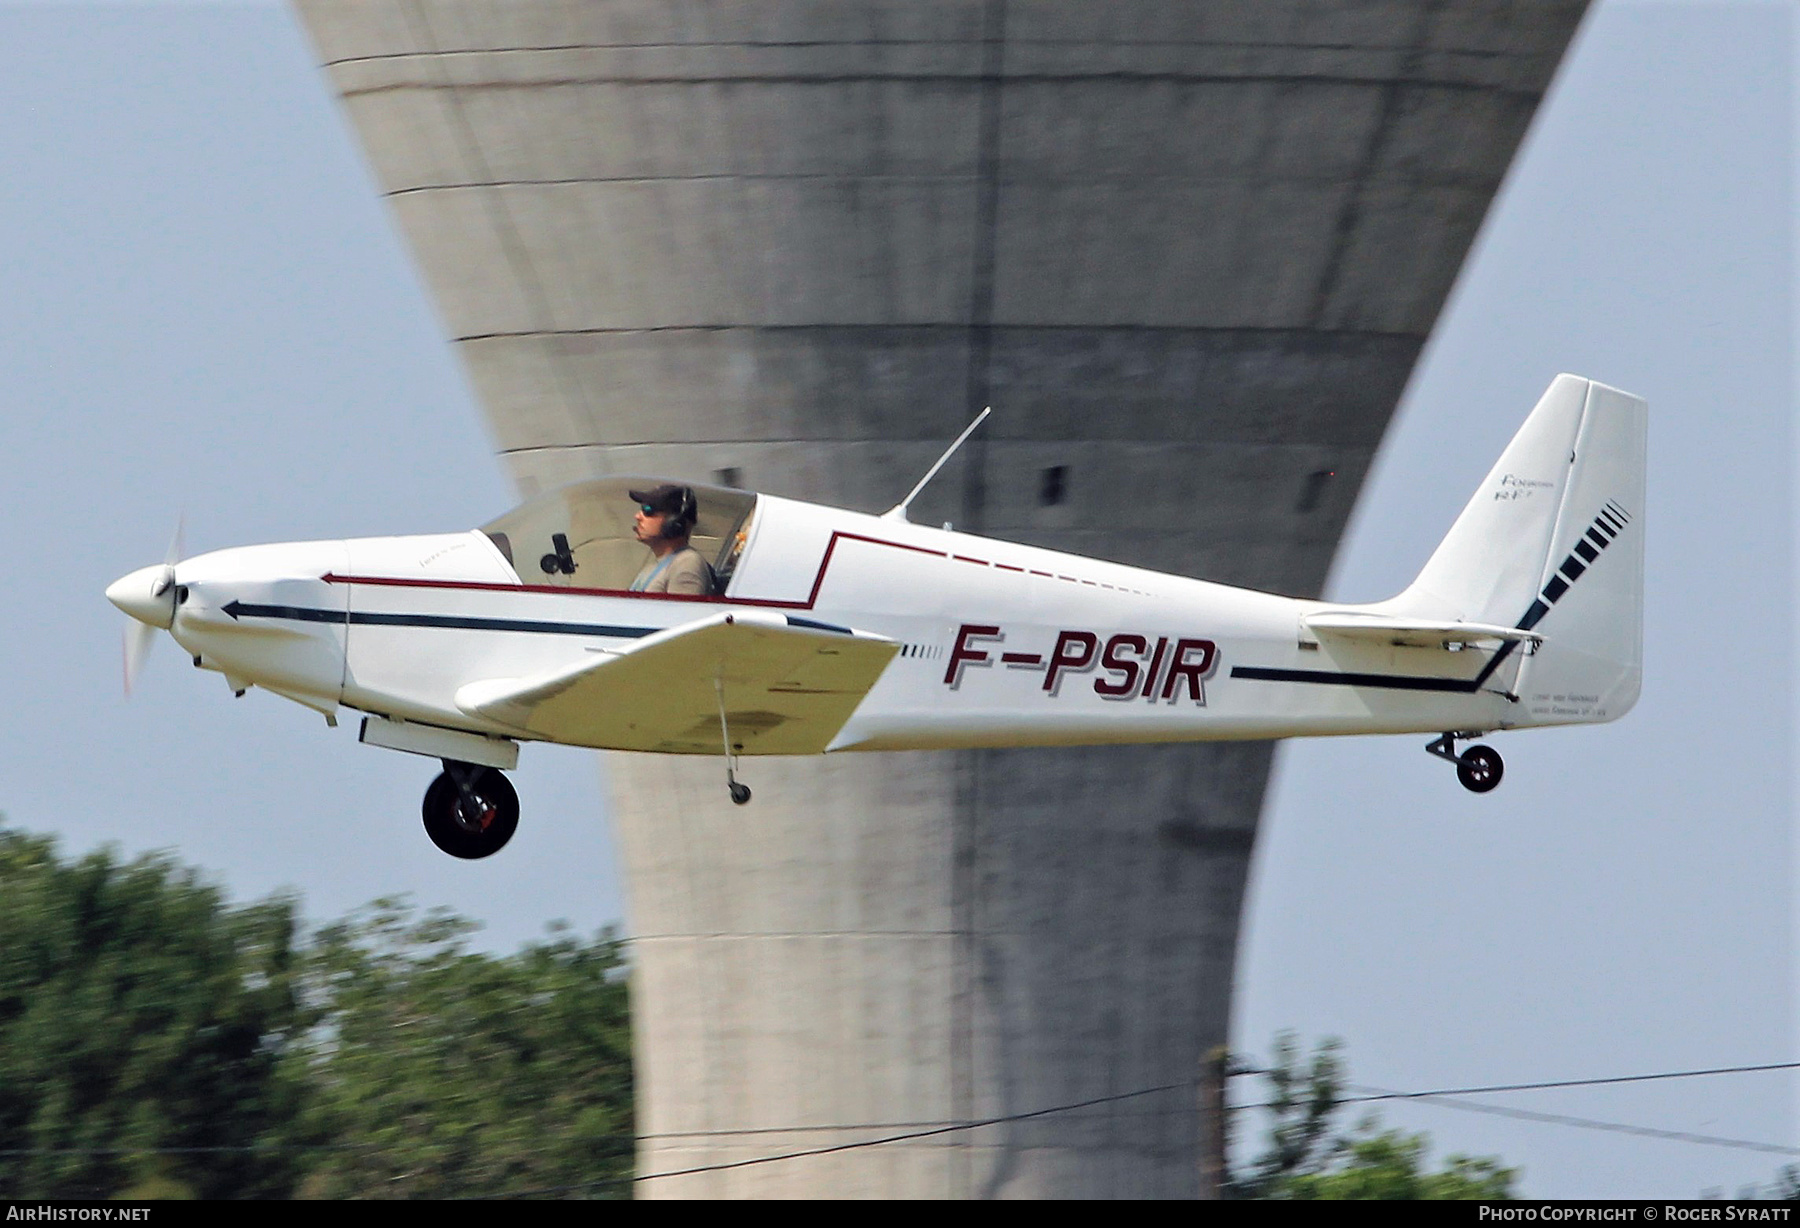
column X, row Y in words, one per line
column 1489, row 566
column 1553, row 542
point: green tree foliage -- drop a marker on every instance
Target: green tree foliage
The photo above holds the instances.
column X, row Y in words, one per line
column 157, row 1042
column 1302, row 1104
column 442, row 1073
column 143, row 1030
column 1391, row 1165
column 1307, row 1158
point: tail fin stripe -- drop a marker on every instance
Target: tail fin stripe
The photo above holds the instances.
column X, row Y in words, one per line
column 1599, row 541
column 1540, row 607
column 1571, row 571
column 1533, row 616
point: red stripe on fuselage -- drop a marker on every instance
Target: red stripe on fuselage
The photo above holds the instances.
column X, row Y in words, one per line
column 486, row 586
column 812, row 597
column 489, row 586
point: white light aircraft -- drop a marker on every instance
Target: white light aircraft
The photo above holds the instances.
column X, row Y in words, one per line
column 830, row 630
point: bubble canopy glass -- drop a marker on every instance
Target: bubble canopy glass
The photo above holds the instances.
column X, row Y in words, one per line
column 595, row 522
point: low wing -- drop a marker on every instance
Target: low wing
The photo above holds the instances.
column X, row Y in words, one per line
column 788, row 684
column 1410, row 632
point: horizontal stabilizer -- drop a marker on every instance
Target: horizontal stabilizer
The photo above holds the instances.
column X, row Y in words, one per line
column 1411, row 632
column 787, row 684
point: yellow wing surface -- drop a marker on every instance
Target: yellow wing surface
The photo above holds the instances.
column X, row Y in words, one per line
column 787, row 685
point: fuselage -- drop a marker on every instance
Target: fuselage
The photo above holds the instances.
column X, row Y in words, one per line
column 1000, row 644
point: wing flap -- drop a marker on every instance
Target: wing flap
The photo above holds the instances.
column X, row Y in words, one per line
column 1411, row 632
column 788, row 684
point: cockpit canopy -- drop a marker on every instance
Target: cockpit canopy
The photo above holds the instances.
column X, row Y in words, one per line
column 583, row 536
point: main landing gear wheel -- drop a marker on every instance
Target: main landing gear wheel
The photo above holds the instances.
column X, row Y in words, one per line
column 470, row 811
column 1479, row 768
column 740, row 793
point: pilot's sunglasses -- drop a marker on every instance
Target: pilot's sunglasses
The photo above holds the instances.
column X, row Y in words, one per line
column 650, row 511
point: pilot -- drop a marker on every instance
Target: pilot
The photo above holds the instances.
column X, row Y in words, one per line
column 665, row 518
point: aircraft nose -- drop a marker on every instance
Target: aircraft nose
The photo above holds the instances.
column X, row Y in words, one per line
column 137, row 595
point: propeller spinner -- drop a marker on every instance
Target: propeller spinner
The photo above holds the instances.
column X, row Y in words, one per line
column 148, row 596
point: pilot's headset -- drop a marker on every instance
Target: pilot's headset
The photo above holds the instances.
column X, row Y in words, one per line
column 680, row 522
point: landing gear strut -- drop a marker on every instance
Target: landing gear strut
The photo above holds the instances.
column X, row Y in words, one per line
column 740, row 793
column 1479, row 768
column 470, row 811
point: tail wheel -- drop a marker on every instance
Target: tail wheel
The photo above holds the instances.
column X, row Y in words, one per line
column 1479, row 768
column 473, row 817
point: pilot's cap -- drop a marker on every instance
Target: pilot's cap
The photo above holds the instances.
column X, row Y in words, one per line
column 669, row 499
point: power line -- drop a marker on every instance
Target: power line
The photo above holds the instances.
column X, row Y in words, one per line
column 1367, row 1094
column 1376, row 1093
column 1364, row 1094
column 951, row 1128
column 1588, row 1123
column 1445, row 1097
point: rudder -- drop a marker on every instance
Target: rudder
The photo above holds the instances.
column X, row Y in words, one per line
column 1590, row 605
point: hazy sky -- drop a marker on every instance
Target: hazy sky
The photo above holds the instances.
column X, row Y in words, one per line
column 204, row 308
column 1622, row 903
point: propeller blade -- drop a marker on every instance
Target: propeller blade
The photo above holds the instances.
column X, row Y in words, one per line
column 171, row 557
column 138, row 639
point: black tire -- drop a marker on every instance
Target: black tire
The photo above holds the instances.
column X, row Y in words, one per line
column 1480, row 768
column 740, row 793
column 480, row 835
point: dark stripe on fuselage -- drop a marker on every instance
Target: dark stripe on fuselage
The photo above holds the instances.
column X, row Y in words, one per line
column 1393, row 682
column 454, row 622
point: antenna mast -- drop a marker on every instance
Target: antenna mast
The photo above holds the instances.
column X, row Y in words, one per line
column 898, row 511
